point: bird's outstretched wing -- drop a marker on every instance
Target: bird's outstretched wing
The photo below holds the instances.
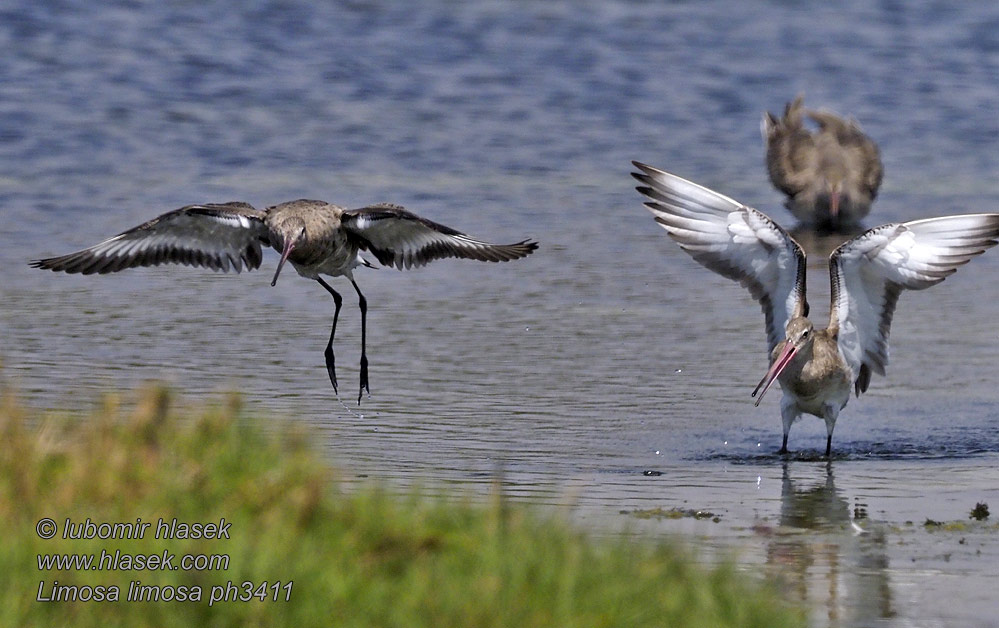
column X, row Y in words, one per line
column 402, row 239
column 219, row 236
column 868, row 273
column 733, row 240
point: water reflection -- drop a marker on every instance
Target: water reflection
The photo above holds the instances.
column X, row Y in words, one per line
column 828, row 556
column 818, row 507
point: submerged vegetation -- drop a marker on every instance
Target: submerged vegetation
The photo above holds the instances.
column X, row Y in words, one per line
column 243, row 504
column 980, row 512
column 672, row 513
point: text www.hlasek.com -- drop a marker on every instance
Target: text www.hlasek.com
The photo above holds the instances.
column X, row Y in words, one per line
column 119, row 561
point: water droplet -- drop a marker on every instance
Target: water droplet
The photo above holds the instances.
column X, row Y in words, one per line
column 725, row 443
column 759, row 479
column 657, row 452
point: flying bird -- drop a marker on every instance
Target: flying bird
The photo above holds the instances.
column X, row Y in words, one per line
column 315, row 237
column 831, row 176
column 817, row 368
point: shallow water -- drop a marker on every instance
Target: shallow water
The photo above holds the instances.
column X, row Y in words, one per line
column 606, row 354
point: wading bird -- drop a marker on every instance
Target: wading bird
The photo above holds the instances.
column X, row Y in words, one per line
column 830, row 177
column 317, row 238
column 816, row 368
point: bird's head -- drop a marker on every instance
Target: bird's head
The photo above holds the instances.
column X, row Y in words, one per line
column 291, row 233
column 800, row 332
column 799, row 336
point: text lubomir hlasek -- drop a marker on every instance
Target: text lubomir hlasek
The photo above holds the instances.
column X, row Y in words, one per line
column 165, row 529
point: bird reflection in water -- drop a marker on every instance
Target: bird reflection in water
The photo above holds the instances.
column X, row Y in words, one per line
column 826, row 555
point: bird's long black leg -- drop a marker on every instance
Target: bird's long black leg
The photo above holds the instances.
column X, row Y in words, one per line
column 788, row 413
column 330, row 360
column 363, row 303
column 830, row 417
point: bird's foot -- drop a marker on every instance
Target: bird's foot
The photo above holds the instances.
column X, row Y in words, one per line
column 364, row 379
column 331, row 368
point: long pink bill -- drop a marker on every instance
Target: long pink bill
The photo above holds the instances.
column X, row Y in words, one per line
column 775, row 370
column 288, row 246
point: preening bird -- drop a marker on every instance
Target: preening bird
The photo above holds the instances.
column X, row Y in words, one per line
column 831, row 176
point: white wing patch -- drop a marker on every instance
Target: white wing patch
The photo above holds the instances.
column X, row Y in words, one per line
column 869, row 272
column 735, row 241
column 232, row 220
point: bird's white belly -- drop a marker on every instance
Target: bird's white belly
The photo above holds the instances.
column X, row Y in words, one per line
column 340, row 265
column 836, row 394
column 340, row 262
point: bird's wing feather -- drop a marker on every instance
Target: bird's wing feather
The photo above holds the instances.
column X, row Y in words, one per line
column 791, row 152
column 868, row 273
column 733, row 240
column 219, row 236
column 402, row 239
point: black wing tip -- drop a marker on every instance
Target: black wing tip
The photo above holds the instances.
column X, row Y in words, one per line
column 509, row 252
column 863, row 380
column 55, row 264
column 529, row 246
column 647, row 172
column 648, row 192
column 645, row 180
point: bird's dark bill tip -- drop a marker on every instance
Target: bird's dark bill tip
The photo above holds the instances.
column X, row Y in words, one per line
column 774, row 371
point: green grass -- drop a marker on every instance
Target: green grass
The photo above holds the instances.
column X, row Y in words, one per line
column 364, row 557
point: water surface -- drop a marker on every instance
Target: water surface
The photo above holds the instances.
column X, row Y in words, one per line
column 569, row 374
